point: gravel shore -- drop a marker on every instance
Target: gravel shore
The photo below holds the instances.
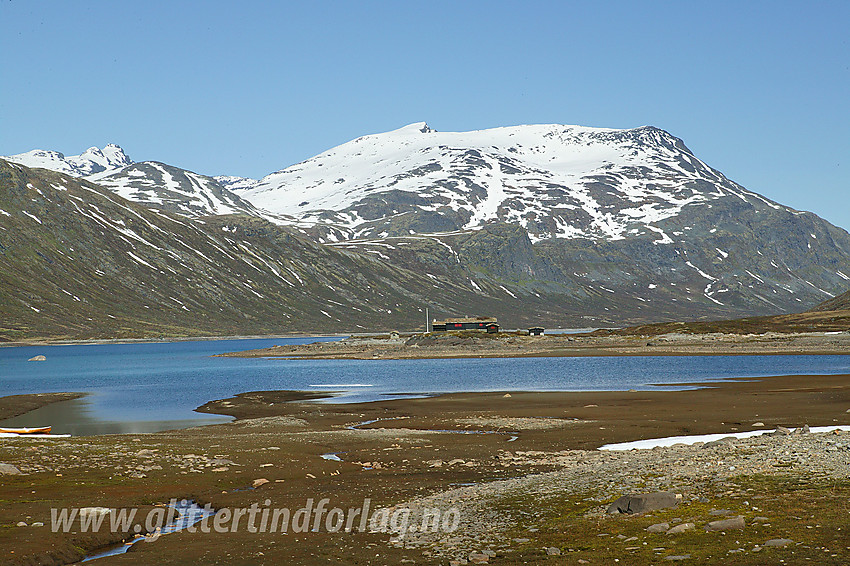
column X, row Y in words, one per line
column 511, row 344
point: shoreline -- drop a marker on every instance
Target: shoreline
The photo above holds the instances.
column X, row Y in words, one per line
column 17, row 405
column 98, row 341
column 522, row 466
column 471, row 344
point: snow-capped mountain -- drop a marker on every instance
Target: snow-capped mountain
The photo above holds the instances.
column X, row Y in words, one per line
column 629, row 213
column 92, row 161
column 555, row 225
column 151, row 183
column 163, row 186
column 556, row 181
column 236, row 184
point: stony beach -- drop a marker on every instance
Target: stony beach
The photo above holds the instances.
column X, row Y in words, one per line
column 513, row 344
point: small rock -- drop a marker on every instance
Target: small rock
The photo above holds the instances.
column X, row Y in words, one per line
column 145, row 454
column 521, row 540
column 479, row 558
column 21, row 524
column 38, row 524
column 258, row 482
column 38, row 358
column 758, row 424
column 781, row 431
column 434, row 463
column 506, row 395
column 717, row 512
column 9, row 470
column 658, row 528
column 779, row 542
column 677, row 557
column 681, row 528
column 735, row 523
column 553, row 551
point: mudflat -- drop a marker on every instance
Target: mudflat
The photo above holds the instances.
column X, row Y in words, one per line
column 522, row 468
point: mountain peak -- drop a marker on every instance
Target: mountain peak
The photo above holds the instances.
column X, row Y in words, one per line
column 415, row 128
column 91, row 162
column 557, row 181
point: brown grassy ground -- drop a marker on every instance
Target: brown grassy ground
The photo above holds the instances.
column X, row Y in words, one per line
column 286, row 444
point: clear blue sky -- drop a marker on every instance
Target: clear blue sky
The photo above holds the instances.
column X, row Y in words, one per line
column 759, row 90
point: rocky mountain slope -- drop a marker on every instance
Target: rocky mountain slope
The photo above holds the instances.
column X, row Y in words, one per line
column 78, row 261
column 547, row 225
column 90, row 162
column 555, row 181
column 633, row 213
column 151, row 183
column 162, row 186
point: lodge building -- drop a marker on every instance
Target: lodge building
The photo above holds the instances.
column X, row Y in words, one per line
column 484, row 323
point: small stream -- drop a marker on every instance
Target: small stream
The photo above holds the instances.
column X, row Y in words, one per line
column 188, row 513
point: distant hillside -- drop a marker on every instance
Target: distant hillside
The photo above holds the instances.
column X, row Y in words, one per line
column 77, row 261
column 829, row 316
column 841, row 302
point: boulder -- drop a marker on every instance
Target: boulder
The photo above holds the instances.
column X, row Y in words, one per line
column 681, row 528
column 645, row 502
column 735, row 523
column 9, row 470
column 658, row 528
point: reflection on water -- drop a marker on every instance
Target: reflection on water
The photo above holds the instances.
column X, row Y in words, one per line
column 76, row 417
column 135, row 388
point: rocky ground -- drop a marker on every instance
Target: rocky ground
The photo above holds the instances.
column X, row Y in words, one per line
column 514, row 344
column 522, row 469
column 711, row 478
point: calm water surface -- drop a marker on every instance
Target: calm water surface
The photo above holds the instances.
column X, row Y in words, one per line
column 150, row 387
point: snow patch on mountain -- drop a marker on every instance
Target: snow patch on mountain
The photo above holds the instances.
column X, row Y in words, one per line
column 236, row 184
column 91, row 162
column 556, row 181
column 162, row 186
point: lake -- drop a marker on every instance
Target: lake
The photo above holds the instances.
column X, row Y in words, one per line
column 141, row 387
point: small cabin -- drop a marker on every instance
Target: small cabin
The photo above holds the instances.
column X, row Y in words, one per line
column 483, row 323
column 535, row 331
